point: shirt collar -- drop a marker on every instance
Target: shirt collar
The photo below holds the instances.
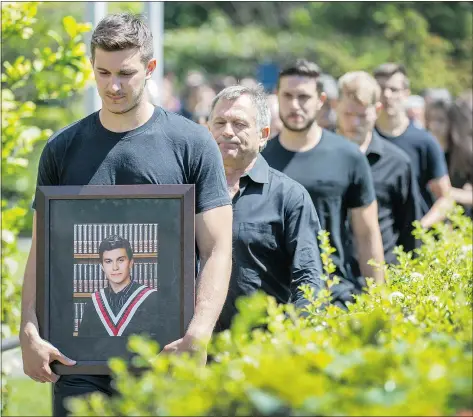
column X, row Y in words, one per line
column 376, row 145
column 260, row 171
column 120, row 293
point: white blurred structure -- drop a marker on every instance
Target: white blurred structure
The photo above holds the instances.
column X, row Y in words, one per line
column 95, row 11
column 415, row 109
column 154, row 11
column 276, row 123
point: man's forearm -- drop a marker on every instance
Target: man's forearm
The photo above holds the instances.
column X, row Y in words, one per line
column 211, row 294
column 29, row 323
column 462, row 196
column 371, row 247
column 437, row 213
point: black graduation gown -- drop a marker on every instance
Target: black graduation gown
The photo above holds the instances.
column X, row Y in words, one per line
column 139, row 313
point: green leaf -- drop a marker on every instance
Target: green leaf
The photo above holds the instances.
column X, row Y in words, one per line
column 70, row 25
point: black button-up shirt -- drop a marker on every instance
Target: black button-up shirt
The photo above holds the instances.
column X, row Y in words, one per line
column 275, row 248
column 397, row 194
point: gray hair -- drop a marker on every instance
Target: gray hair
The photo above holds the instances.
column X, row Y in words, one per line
column 257, row 96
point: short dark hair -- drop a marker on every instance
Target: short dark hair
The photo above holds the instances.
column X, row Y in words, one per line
column 115, row 242
column 302, row 68
column 120, row 31
column 388, row 69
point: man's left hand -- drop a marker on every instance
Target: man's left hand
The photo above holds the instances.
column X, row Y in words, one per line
column 188, row 344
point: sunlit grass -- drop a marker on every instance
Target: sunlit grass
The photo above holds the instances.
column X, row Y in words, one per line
column 28, row 398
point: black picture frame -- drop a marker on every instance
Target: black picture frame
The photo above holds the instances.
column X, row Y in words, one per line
column 59, row 207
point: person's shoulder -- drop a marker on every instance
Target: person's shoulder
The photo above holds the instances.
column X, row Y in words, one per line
column 95, row 294
column 346, row 154
column 342, row 145
column 287, row 186
column 70, row 131
column 421, row 136
column 271, row 145
column 395, row 153
column 151, row 295
column 181, row 129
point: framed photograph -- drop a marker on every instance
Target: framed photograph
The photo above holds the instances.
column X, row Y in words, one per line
column 113, row 261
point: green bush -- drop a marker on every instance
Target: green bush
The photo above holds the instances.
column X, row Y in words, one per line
column 403, row 349
column 51, row 74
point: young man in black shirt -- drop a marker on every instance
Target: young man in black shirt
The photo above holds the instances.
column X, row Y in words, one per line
column 428, row 160
column 129, row 141
column 394, row 182
column 334, row 172
column 274, row 222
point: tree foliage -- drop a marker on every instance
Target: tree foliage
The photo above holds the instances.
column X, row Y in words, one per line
column 339, row 37
column 402, row 349
column 51, row 73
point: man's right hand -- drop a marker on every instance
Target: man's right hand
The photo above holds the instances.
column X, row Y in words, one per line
column 37, row 355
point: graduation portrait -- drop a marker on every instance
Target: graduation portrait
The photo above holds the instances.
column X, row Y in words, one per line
column 115, row 282
column 113, row 261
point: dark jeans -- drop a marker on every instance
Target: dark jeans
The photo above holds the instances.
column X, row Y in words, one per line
column 75, row 386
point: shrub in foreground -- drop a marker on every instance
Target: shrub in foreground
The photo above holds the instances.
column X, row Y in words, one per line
column 403, row 349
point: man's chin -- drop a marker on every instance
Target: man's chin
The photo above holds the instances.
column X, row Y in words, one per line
column 120, row 109
column 231, row 155
column 302, row 127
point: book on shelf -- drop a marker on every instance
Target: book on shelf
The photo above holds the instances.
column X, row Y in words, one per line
column 78, row 314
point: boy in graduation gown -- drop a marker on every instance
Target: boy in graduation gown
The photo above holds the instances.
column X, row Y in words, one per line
column 124, row 307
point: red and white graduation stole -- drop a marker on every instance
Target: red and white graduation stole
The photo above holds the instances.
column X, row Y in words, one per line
column 116, row 325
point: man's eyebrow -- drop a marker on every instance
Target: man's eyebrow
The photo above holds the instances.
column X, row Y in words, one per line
column 121, row 69
column 111, row 259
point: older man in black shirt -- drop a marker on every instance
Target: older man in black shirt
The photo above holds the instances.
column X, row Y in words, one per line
column 275, row 224
column 394, row 181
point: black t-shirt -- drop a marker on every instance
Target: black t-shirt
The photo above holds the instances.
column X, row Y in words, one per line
column 338, row 177
column 397, row 195
column 167, row 149
column 427, row 157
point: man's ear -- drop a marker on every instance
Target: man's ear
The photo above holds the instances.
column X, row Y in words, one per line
column 150, row 68
column 378, row 107
column 322, row 99
column 264, row 137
